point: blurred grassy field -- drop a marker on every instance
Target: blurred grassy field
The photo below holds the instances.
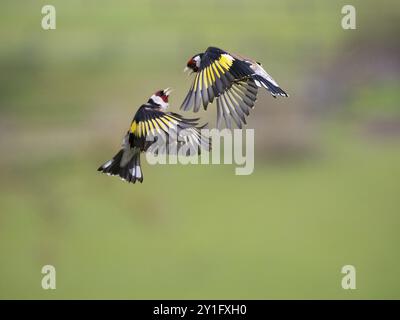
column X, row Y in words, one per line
column 67, row 96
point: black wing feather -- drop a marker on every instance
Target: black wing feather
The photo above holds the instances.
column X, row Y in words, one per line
column 150, row 122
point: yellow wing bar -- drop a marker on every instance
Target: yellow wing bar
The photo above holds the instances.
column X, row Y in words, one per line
column 143, row 128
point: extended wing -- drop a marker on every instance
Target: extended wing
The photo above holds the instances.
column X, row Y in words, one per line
column 150, row 125
column 226, row 79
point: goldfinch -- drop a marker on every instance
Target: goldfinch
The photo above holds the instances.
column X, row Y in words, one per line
column 230, row 79
column 149, row 123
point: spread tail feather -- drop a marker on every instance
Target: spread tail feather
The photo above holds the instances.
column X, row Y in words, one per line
column 125, row 164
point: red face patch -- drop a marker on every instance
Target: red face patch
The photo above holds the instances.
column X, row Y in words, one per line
column 162, row 95
column 192, row 65
column 165, row 98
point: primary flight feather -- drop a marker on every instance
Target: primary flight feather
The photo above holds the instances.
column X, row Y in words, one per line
column 230, row 79
column 151, row 122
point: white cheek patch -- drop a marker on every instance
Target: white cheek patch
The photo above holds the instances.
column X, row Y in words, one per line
column 197, row 59
column 159, row 101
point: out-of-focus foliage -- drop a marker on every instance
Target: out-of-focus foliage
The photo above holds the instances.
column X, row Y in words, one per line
column 325, row 188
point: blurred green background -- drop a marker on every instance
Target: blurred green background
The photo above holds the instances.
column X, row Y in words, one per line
column 326, row 187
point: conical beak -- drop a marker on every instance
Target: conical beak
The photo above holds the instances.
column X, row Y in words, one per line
column 186, row 69
column 167, row 91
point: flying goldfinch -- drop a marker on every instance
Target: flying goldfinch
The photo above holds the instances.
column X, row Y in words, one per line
column 150, row 122
column 231, row 80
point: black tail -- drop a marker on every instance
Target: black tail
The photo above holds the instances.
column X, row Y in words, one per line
column 126, row 164
column 273, row 89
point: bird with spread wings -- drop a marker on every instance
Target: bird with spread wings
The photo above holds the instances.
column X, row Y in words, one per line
column 230, row 79
column 150, row 124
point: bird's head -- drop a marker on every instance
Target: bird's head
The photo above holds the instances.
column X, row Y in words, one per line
column 160, row 98
column 194, row 63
